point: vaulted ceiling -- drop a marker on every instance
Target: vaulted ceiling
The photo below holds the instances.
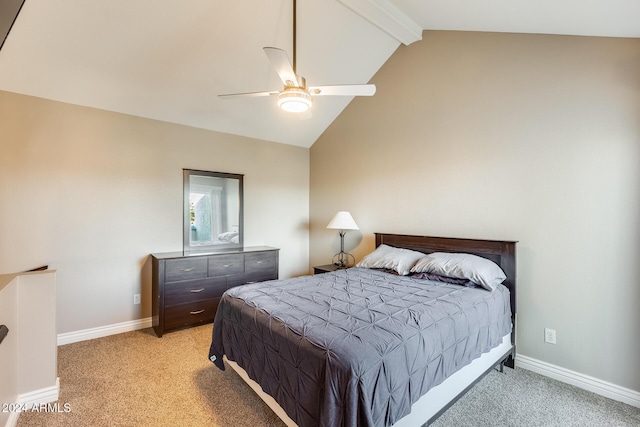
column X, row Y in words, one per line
column 168, row 60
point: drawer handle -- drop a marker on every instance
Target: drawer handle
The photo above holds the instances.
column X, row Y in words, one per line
column 196, row 312
column 249, row 283
column 259, row 262
column 227, row 265
column 187, row 269
column 195, row 291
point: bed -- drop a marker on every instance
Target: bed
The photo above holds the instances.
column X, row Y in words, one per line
column 366, row 347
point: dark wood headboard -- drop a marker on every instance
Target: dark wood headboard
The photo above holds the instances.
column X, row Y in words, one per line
column 501, row 252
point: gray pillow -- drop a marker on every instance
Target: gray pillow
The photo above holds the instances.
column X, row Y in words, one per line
column 400, row 260
column 482, row 271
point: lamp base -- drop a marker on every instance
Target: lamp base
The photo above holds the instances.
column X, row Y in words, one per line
column 343, row 260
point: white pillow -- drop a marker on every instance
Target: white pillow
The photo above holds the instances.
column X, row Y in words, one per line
column 400, row 260
column 482, row 271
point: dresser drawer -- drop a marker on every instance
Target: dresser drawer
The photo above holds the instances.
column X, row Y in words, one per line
column 194, row 290
column 226, row 265
column 258, row 267
column 185, row 269
column 189, row 314
column 259, row 276
column 262, row 262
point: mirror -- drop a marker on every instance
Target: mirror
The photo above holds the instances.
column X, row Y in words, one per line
column 212, row 210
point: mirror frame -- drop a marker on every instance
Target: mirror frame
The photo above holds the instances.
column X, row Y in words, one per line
column 186, row 220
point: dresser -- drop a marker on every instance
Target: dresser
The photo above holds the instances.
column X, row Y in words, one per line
column 186, row 289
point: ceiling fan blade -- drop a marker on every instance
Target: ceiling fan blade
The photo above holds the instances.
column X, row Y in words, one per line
column 248, row 94
column 280, row 61
column 343, row 90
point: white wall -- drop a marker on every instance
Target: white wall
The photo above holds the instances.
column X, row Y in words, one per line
column 37, row 335
column 507, row 136
column 92, row 193
column 28, row 355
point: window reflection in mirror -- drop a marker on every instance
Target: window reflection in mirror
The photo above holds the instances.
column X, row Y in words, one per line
column 212, row 210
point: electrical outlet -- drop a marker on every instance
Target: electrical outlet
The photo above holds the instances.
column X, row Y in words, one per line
column 136, row 298
column 550, row 335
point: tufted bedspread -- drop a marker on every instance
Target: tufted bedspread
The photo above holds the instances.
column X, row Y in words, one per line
column 355, row 347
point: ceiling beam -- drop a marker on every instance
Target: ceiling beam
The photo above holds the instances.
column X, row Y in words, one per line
column 386, row 16
column 9, row 10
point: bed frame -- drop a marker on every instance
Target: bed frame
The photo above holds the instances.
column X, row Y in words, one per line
column 433, row 404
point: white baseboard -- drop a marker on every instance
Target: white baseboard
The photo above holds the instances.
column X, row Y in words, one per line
column 603, row 388
column 43, row 395
column 12, row 421
column 36, row 397
column 103, row 331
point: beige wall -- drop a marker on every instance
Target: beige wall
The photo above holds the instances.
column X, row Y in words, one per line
column 502, row 136
column 9, row 348
column 93, row 193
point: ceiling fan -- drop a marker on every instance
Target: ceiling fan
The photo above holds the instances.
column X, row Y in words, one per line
column 296, row 96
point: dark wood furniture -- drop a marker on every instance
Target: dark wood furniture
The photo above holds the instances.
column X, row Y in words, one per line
column 319, row 269
column 186, row 289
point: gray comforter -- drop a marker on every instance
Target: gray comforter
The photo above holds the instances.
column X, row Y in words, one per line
column 355, row 347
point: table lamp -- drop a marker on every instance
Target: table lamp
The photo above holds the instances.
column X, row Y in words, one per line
column 343, row 221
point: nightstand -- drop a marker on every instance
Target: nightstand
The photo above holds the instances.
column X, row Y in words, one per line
column 325, row 268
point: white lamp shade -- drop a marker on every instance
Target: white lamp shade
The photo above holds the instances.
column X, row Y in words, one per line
column 343, row 221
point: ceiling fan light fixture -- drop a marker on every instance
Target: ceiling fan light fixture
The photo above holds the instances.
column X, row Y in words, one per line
column 296, row 95
column 294, row 100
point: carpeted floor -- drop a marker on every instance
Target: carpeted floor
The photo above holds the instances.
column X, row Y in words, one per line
column 519, row 398
column 137, row 379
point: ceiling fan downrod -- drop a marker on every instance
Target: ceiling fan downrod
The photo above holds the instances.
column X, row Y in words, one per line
column 295, row 14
